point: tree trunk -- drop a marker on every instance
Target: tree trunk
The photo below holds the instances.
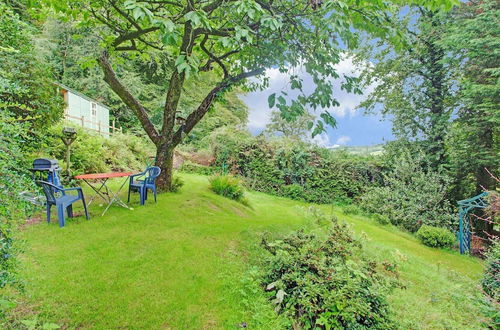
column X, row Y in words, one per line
column 165, row 161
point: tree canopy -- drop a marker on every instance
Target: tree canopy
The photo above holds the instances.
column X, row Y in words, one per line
column 237, row 40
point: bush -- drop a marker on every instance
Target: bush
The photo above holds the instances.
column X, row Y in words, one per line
column 293, row 191
column 227, row 186
column 491, row 277
column 328, row 283
column 381, row 219
column 14, row 179
column 351, row 209
column 436, row 237
column 294, row 169
column 92, row 153
column 177, row 183
column 411, row 195
column 190, row 167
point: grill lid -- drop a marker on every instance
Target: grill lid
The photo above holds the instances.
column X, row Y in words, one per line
column 45, row 164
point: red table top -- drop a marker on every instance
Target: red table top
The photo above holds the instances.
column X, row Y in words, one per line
column 95, row 176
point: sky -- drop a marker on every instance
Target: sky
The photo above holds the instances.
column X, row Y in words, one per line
column 354, row 128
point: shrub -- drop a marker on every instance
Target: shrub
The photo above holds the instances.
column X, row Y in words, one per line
column 436, row 237
column 281, row 166
column 190, row 167
column 491, row 277
column 227, row 186
column 177, row 183
column 381, row 219
column 293, row 191
column 351, row 209
column 92, row 153
column 328, row 283
column 14, row 179
column 411, row 195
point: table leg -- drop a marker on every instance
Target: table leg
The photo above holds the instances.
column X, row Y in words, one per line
column 114, row 198
column 98, row 191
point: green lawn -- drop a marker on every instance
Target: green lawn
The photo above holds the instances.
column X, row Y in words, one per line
column 186, row 261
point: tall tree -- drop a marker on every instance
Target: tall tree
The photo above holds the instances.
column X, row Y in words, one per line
column 238, row 39
column 26, row 91
column 297, row 129
column 474, row 144
column 414, row 83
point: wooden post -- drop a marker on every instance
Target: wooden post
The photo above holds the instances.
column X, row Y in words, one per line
column 113, row 127
column 83, row 121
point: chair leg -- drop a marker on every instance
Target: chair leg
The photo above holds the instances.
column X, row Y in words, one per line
column 48, row 212
column 69, row 209
column 60, row 214
column 142, row 197
column 128, row 199
column 154, row 190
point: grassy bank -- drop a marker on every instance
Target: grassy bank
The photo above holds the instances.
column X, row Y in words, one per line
column 185, row 262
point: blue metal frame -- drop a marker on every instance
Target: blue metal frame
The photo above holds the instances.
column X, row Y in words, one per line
column 464, row 207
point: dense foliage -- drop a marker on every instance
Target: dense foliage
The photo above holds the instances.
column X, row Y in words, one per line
column 491, row 278
column 92, row 153
column 436, row 237
column 14, row 179
column 28, row 104
column 413, row 83
column 70, row 49
column 293, row 169
column 412, row 195
column 26, row 90
column 327, row 282
column 474, row 141
column 236, row 40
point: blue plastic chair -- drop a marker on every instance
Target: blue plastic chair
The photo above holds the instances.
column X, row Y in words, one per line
column 142, row 186
column 57, row 196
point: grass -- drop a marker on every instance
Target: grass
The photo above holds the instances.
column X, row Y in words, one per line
column 185, row 263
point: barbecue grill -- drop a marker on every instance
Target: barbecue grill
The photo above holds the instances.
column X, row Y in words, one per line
column 46, row 170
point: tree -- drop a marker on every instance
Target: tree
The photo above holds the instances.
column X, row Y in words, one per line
column 26, row 91
column 67, row 48
column 294, row 129
column 414, row 83
column 474, row 142
column 236, row 39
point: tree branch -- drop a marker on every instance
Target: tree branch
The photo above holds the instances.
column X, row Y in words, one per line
column 133, row 35
column 213, row 57
column 112, row 80
column 195, row 116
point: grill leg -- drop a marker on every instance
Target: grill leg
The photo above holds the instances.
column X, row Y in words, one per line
column 48, row 212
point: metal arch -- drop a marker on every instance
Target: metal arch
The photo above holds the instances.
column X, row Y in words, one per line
column 465, row 232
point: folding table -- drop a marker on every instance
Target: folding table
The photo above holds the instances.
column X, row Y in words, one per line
column 98, row 183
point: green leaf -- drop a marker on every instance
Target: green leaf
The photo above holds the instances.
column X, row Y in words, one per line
column 281, row 100
column 193, row 17
column 328, row 119
column 271, row 100
column 137, row 13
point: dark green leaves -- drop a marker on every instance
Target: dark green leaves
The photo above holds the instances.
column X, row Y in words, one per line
column 271, row 100
column 328, row 119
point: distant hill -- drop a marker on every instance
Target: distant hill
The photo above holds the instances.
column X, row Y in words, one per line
column 374, row 150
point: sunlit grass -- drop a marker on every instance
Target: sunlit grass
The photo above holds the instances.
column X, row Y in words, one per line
column 184, row 262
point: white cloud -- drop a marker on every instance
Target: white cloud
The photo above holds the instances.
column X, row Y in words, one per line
column 321, row 140
column 343, row 140
column 259, row 114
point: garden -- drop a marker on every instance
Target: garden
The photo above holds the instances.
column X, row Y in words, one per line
column 135, row 194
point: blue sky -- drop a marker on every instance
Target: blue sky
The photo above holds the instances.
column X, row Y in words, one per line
column 353, row 127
